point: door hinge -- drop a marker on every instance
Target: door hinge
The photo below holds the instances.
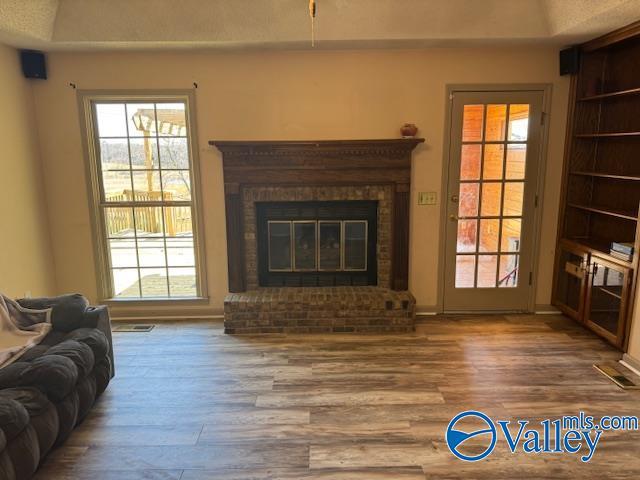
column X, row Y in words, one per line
column 543, row 117
column 535, row 201
column 530, row 278
column 451, row 96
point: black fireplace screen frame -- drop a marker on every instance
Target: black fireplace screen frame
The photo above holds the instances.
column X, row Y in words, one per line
column 296, row 211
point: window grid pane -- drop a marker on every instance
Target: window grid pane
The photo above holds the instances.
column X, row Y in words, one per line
column 153, row 223
column 490, row 209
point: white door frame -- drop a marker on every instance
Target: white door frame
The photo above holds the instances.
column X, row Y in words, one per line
column 546, row 89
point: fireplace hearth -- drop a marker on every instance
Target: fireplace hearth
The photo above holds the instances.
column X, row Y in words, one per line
column 318, row 236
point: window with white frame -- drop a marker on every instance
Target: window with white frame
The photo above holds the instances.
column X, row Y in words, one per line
column 143, row 173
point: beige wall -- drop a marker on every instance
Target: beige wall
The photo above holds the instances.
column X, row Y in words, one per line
column 25, row 257
column 634, row 338
column 287, row 95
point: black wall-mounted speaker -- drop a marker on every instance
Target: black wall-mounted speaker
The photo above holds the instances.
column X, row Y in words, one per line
column 33, row 64
column 569, row 61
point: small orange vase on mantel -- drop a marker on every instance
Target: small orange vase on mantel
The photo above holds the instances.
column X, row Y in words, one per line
column 408, row 130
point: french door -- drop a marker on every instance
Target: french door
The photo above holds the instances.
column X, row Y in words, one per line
column 493, row 165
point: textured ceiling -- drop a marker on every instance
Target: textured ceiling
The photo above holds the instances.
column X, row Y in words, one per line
column 137, row 24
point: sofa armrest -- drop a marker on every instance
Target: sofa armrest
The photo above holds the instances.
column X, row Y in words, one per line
column 68, row 311
column 99, row 318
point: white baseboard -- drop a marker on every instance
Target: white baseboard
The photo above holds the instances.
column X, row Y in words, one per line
column 543, row 309
column 631, row 363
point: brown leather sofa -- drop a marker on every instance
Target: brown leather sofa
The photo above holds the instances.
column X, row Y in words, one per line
column 52, row 387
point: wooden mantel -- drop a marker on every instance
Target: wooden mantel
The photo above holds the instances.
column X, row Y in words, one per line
column 317, row 163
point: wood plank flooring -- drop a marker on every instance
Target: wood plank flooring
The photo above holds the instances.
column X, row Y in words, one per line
column 190, row 403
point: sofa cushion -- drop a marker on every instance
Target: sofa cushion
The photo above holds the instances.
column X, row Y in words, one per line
column 34, row 352
column 13, row 418
column 78, row 353
column 32, row 399
column 54, row 375
column 92, row 337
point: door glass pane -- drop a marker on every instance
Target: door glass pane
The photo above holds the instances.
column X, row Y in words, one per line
column 304, row 244
column 467, row 232
column 513, row 199
column 330, row 240
column 569, row 280
column 493, row 161
column 518, row 122
column 491, row 194
column 496, row 123
column 465, row 271
column 472, row 121
column 487, row 267
column 516, row 161
column 470, row 162
column 355, row 245
column 510, row 241
column 606, row 297
column 468, row 200
column 508, row 273
column 279, row 246
column 489, row 230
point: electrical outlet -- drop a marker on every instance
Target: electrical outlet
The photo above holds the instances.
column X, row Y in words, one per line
column 27, row 294
column 427, row 198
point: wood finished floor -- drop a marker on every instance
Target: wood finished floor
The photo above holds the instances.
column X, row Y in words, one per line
column 190, row 403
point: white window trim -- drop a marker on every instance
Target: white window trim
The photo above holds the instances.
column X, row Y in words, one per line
column 86, row 99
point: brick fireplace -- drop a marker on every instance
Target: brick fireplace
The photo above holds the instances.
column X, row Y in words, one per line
column 317, row 235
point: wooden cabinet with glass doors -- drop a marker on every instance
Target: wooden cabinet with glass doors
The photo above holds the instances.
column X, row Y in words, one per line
column 601, row 187
column 593, row 290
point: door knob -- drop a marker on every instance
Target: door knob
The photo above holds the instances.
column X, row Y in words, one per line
column 454, row 198
column 453, row 217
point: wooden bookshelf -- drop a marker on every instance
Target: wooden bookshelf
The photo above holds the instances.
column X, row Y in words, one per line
column 601, row 186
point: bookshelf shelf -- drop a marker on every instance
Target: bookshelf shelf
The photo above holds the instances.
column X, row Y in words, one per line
column 608, row 95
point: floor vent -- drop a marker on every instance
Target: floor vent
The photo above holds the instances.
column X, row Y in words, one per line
column 133, row 328
column 617, row 377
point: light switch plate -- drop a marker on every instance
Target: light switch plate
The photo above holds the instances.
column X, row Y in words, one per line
column 427, row 198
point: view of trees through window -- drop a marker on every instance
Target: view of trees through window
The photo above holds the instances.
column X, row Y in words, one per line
column 145, row 166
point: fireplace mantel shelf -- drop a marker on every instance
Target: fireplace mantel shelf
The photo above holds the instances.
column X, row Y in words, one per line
column 315, row 147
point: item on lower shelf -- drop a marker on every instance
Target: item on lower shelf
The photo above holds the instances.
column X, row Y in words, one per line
column 622, row 247
column 621, row 256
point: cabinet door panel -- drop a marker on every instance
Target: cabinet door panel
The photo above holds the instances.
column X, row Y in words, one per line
column 607, row 298
column 569, row 290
